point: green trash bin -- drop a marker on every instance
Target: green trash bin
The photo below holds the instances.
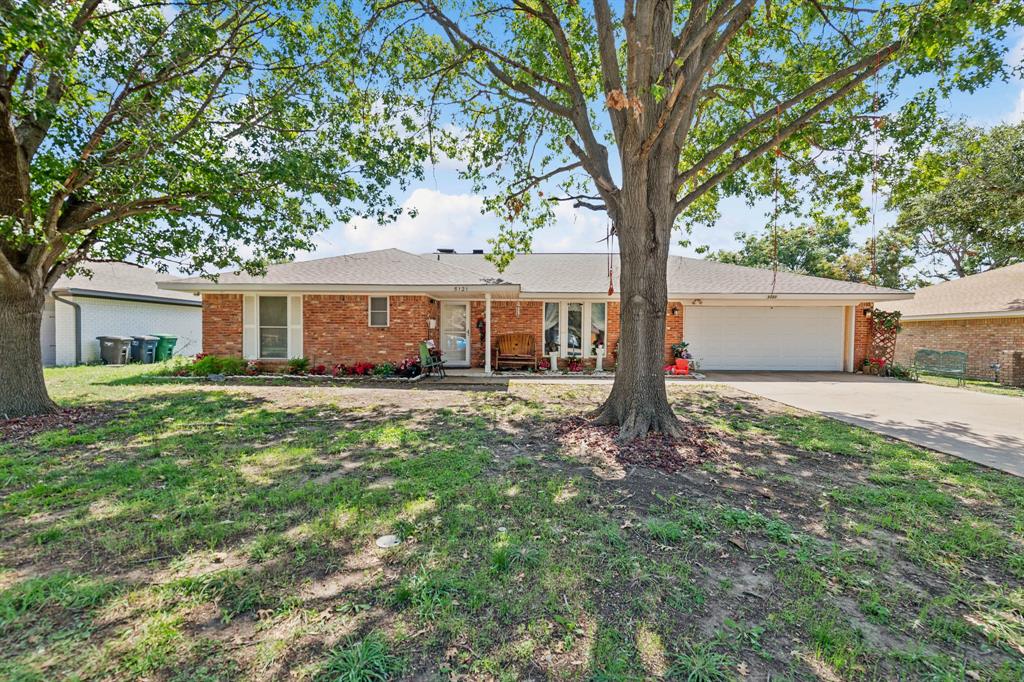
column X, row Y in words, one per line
column 165, row 346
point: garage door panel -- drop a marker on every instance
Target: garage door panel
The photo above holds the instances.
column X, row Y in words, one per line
column 780, row 338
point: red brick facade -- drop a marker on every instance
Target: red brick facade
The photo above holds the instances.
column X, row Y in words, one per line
column 222, row 324
column 983, row 339
column 861, row 335
column 336, row 327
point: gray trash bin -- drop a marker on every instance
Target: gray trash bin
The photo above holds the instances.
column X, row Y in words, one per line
column 144, row 348
column 114, row 350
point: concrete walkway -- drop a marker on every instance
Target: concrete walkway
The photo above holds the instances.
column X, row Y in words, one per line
column 980, row 427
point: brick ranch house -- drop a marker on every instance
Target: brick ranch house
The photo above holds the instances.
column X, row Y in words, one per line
column 379, row 305
column 981, row 315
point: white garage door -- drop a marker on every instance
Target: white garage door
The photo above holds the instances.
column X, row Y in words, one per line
column 797, row 338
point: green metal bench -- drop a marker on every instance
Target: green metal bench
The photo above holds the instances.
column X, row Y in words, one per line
column 945, row 363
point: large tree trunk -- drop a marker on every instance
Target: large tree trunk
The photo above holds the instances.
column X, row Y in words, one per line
column 638, row 403
column 22, row 389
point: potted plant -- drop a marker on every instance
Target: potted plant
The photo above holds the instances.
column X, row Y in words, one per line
column 682, row 356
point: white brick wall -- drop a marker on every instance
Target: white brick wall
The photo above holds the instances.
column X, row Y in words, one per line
column 101, row 317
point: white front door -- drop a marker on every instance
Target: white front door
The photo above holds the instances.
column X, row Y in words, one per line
column 762, row 337
column 455, row 333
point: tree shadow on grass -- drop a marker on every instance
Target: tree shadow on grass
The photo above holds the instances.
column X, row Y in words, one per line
column 221, row 535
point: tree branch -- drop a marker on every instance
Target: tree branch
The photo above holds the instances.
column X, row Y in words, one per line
column 878, row 59
column 782, row 135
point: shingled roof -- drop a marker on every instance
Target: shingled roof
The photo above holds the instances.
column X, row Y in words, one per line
column 534, row 273
column 998, row 292
column 384, row 268
column 121, row 281
column 588, row 273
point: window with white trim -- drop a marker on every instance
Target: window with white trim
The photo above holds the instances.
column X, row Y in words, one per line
column 598, row 326
column 575, row 328
column 552, row 337
column 273, row 326
column 379, row 316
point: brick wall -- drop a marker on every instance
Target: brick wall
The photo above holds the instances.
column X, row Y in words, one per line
column 1012, row 371
column 674, row 327
column 982, row 339
column 861, row 335
column 336, row 328
column 222, row 324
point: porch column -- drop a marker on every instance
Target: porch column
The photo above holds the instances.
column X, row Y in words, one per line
column 487, row 333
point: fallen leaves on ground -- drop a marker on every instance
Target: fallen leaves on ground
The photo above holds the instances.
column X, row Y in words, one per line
column 654, row 450
column 64, row 418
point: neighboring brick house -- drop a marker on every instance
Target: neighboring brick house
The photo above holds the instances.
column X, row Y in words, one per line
column 380, row 305
column 981, row 315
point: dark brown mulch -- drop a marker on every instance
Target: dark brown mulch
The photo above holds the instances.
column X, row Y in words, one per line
column 64, row 418
column 654, row 450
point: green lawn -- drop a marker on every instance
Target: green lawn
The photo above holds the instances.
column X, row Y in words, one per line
column 973, row 385
column 201, row 532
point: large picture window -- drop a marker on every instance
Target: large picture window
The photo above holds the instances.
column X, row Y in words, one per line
column 575, row 328
column 273, row 321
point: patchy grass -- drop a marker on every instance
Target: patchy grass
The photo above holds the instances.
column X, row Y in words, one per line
column 222, row 533
column 973, row 385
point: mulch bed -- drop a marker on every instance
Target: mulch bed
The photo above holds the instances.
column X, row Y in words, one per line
column 654, row 450
column 65, row 418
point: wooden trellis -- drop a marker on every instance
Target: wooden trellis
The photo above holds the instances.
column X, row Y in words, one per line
column 885, row 326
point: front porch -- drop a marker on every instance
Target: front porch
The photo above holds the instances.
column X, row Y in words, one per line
column 481, row 376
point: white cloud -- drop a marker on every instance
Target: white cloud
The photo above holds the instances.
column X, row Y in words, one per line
column 1015, row 55
column 442, row 220
column 455, row 221
column 1017, row 115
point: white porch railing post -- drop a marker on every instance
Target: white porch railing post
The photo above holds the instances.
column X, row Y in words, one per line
column 487, row 333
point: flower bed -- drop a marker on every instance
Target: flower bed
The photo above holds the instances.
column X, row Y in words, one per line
column 220, row 368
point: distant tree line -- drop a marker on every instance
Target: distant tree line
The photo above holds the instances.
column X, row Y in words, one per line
column 959, row 209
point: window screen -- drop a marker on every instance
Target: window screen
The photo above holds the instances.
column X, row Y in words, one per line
column 273, row 327
column 378, row 311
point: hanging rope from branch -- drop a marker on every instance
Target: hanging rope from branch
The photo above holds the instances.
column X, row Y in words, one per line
column 876, row 125
column 777, row 152
column 611, row 259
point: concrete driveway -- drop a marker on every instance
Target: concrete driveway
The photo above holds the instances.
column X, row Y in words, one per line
column 981, row 427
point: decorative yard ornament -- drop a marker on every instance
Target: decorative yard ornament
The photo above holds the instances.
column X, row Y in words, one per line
column 885, row 325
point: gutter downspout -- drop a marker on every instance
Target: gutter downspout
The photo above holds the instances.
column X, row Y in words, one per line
column 78, row 326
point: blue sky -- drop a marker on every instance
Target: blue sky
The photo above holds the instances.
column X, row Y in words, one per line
column 449, row 213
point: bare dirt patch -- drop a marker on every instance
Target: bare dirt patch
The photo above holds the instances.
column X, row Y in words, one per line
column 657, row 451
column 71, row 418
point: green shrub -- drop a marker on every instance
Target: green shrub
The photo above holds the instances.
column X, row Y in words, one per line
column 232, row 366
column 298, row 365
column 898, row 371
column 384, row 369
column 215, row 364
